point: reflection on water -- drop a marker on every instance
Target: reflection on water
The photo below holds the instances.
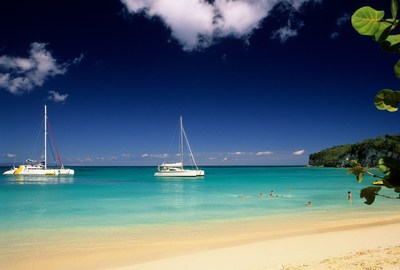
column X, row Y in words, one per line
column 180, row 193
column 38, row 179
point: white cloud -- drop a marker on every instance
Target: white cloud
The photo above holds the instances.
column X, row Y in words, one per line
column 19, row 75
column 77, row 60
column 239, row 18
column 191, row 21
column 225, row 159
column 296, row 5
column 340, row 22
column 343, row 20
column 126, row 155
column 155, row 155
column 239, row 153
column 334, row 35
column 290, row 30
column 8, row 155
column 284, row 33
column 57, row 97
column 264, row 153
column 298, row 153
column 198, row 23
column 86, row 159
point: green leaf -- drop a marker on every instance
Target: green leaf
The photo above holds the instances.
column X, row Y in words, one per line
column 395, row 8
column 391, row 44
column 366, row 20
column 369, row 193
column 382, row 167
column 397, row 69
column 358, row 171
column 391, row 168
column 384, row 30
column 354, row 163
column 393, row 39
column 387, row 99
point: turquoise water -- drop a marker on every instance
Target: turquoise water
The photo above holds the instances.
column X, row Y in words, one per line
column 130, row 196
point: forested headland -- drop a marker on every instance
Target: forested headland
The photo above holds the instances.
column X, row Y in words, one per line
column 367, row 152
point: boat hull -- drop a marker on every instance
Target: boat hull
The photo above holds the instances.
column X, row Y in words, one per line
column 183, row 173
column 31, row 171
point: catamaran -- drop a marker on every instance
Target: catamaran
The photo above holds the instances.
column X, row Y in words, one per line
column 177, row 169
column 40, row 168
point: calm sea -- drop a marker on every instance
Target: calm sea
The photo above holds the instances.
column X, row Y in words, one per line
column 132, row 196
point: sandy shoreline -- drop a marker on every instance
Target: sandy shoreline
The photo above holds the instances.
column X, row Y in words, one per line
column 243, row 244
column 374, row 246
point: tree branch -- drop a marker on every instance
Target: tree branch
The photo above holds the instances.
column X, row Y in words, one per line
column 373, row 175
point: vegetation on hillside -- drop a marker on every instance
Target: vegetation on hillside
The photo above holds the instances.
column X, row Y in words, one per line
column 367, row 152
column 329, row 157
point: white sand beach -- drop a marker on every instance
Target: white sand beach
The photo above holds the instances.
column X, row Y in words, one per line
column 323, row 241
column 374, row 246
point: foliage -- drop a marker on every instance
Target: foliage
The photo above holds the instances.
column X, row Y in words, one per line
column 366, row 152
column 370, row 22
column 357, row 170
column 389, row 167
column 369, row 193
column 329, row 157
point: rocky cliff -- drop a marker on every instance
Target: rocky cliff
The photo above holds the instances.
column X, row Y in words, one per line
column 367, row 152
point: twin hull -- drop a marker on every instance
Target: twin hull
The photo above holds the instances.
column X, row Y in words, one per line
column 182, row 173
column 27, row 170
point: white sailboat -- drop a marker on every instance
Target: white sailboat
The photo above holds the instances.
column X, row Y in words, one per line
column 39, row 168
column 177, row 169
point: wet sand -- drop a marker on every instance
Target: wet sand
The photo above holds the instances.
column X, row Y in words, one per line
column 287, row 242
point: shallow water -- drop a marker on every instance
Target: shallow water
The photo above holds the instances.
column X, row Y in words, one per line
column 103, row 217
column 132, row 196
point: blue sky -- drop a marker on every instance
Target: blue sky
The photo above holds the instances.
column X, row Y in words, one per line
column 257, row 82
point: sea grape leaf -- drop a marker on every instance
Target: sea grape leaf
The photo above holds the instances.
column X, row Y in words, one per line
column 382, row 167
column 385, row 46
column 369, row 193
column 358, row 171
column 394, row 8
column 384, row 30
column 391, row 43
column 387, row 99
column 388, row 165
column 386, row 183
column 366, row 20
column 391, row 167
column 397, row 69
column 392, row 180
column 393, row 39
column 353, row 163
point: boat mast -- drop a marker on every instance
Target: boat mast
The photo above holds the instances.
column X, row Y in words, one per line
column 181, row 140
column 45, row 137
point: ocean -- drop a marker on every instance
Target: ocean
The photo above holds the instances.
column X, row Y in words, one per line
column 132, row 196
column 103, row 217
